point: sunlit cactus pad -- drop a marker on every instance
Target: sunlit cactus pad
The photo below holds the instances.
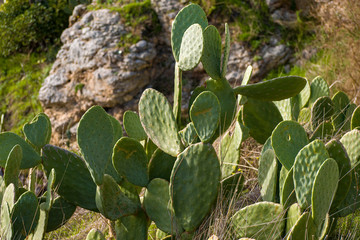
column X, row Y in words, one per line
column 211, row 58
column 262, row 221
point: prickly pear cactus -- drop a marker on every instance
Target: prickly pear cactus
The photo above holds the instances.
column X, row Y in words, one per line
column 262, row 221
column 318, row 88
column 133, row 126
column 95, row 234
column 268, row 176
column 160, row 165
column 12, row 167
column 38, row 131
column 355, row 118
column 199, row 165
column 304, row 228
column 322, row 110
column 211, row 57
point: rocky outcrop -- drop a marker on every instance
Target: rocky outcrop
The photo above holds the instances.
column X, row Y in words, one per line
column 90, row 69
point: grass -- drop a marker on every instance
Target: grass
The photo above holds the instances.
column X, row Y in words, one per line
column 21, row 76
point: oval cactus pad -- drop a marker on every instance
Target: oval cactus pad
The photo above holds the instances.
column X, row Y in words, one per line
column 95, row 138
column 129, row 159
column 158, row 121
column 133, row 126
column 324, row 189
column 205, row 114
column 318, row 88
column 38, row 131
column 268, row 175
column 156, row 203
column 194, row 183
column 355, row 118
column 351, row 142
column 287, row 139
column 273, row 90
column 211, row 57
column 261, row 221
column 184, row 19
column 307, row 163
column 304, row 228
column 321, row 111
column 192, row 46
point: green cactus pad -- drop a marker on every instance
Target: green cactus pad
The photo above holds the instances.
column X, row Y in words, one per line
column 59, row 214
column 268, row 175
column 341, row 103
column 323, row 131
column 261, row 117
column 227, row 99
column 273, row 90
column 282, row 177
column 351, row 142
column 117, row 129
column 349, row 113
column 188, row 134
column 6, row 231
column 192, row 46
column 324, row 189
column 113, row 202
column 160, row 165
column 293, row 214
column 198, row 165
column 262, row 221
column 304, row 228
column 211, row 57
column 287, row 193
column 12, row 166
column 95, row 234
column 73, row 180
column 49, row 187
column 158, row 207
column 337, row 152
column 318, row 88
column 134, row 227
column 304, row 116
column 321, row 111
column 25, row 214
column 287, row 139
column 304, row 96
column 229, row 151
column 232, row 185
column 161, row 235
column 355, row 118
column 184, row 19
column 95, row 138
column 133, row 126
column 225, row 58
column 194, row 94
column 38, row 131
column 205, row 114
column 307, row 163
column 285, row 108
column 8, row 140
column 158, row 121
column 325, row 227
column 129, row 159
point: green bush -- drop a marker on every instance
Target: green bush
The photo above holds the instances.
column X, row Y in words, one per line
column 26, row 26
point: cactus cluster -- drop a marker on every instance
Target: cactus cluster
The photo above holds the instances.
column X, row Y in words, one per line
column 168, row 172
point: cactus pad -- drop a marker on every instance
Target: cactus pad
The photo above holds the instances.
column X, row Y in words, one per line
column 268, row 175
column 198, row 165
column 324, row 189
column 225, row 58
column 304, row 116
column 337, row 152
column 158, row 207
column 73, row 180
column 8, row 140
column 287, row 139
column 95, row 137
column 188, row 134
column 12, row 167
column 134, row 227
column 160, row 165
column 351, row 142
column 95, row 234
column 159, row 122
column 355, row 118
column 60, row 212
column 285, row 108
column 321, row 111
column 133, row 126
column 262, row 221
column 307, row 163
column 192, row 46
column 341, row 102
column 293, row 214
column 261, row 117
column 287, row 193
column 211, row 58
column 184, row 19
column 273, row 90
column 205, row 114
column 323, row 131
column 304, row 228
column 113, row 202
column 304, row 96
column 129, row 159
column 38, row 131
column 318, row 88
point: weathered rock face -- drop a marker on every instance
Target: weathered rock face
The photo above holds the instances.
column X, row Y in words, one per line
column 91, row 70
